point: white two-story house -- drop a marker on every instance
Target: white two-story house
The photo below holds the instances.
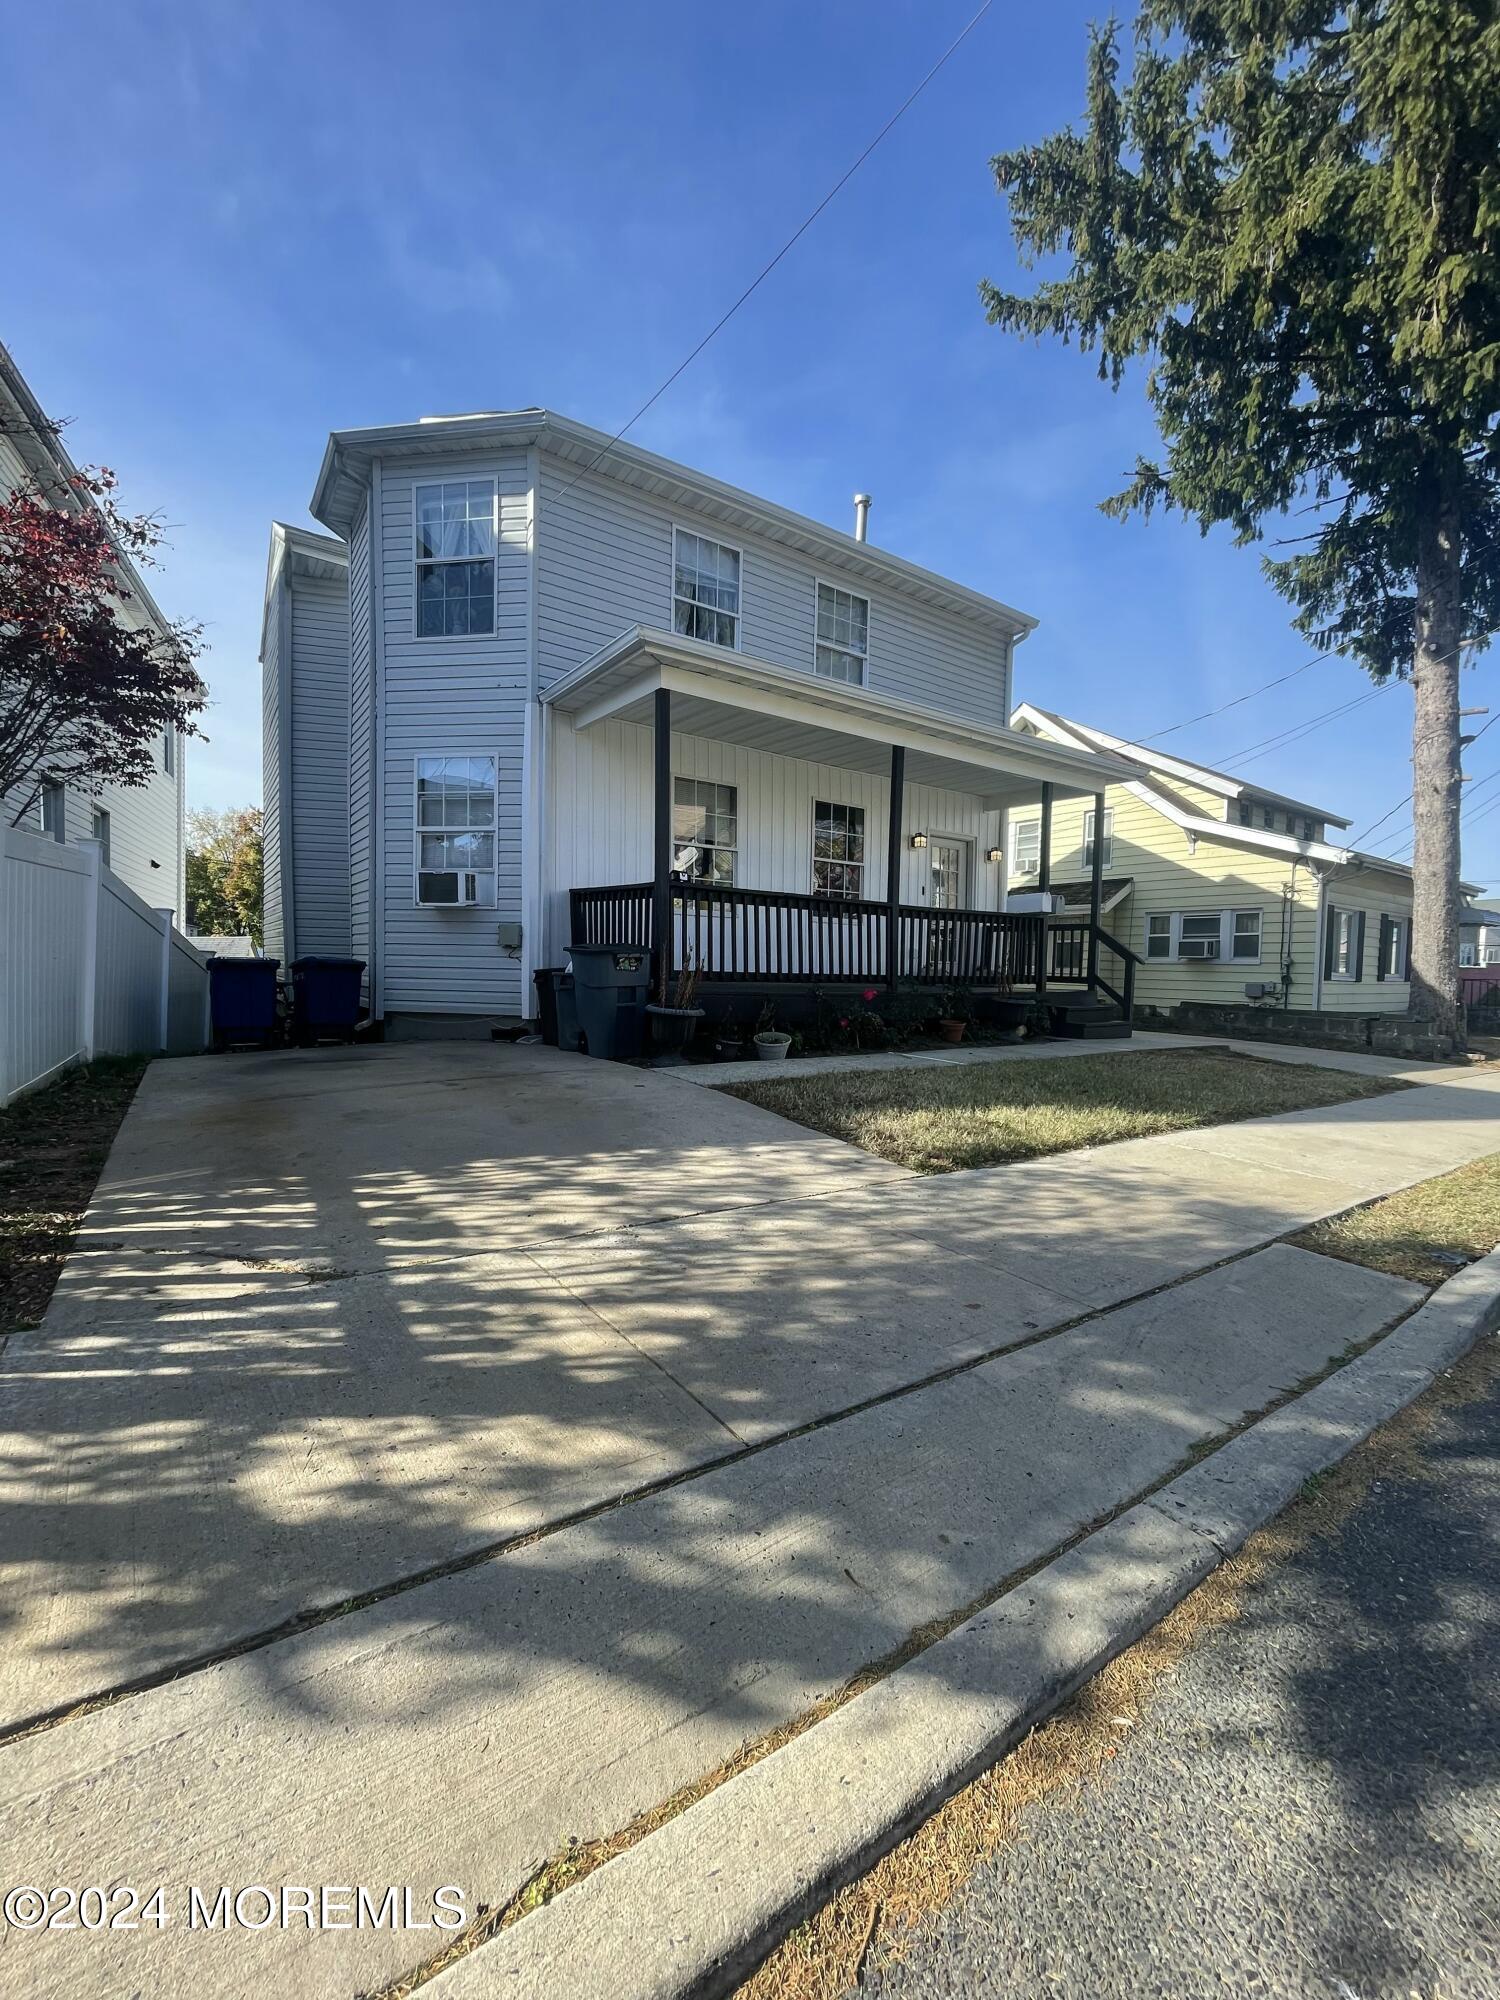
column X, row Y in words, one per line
column 595, row 696
column 139, row 828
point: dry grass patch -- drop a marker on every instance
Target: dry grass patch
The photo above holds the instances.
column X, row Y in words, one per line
column 53, row 1145
column 941, row 1119
column 1424, row 1232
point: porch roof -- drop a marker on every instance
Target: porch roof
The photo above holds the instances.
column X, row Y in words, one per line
column 733, row 698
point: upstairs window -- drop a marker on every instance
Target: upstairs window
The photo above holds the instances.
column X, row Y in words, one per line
column 838, row 849
column 1026, row 847
column 1109, row 837
column 168, row 751
column 705, row 830
column 99, row 827
column 843, row 641
column 1246, row 813
column 455, row 558
column 457, row 800
column 705, row 589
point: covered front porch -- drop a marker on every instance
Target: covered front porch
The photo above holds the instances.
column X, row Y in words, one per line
column 802, row 833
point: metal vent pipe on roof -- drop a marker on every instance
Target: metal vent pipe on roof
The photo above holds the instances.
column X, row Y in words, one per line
column 861, row 517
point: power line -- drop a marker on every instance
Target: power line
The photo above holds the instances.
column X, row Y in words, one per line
column 1467, row 746
column 1224, row 707
column 795, row 237
column 1296, row 730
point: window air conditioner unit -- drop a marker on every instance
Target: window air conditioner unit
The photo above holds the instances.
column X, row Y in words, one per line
column 1200, row 947
column 453, row 889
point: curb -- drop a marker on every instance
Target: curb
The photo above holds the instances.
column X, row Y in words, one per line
column 690, row 1911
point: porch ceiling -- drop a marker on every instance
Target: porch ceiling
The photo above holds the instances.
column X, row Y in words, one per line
column 730, row 698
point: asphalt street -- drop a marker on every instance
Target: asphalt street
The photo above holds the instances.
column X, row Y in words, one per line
column 1310, row 1805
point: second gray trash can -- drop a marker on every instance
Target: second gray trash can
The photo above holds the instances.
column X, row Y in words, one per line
column 610, row 984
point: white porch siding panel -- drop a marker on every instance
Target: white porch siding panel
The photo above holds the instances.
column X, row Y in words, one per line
column 361, row 726
column 605, row 565
column 320, row 765
column 450, row 695
column 599, row 817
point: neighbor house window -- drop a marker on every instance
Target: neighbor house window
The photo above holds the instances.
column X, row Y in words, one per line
column 843, row 643
column 1246, row 813
column 1392, row 961
column 168, row 752
column 457, row 798
column 1344, row 945
column 705, row 830
column 1204, row 934
column 55, row 810
column 99, row 827
column 1309, row 829
column 1109, row 838
column 1467, row 955
column 1268, row 818
column 705, row 589
column 1492, row 954
column 838, row 849
column 1026, row 847
column 455, row 558
column 1244, row 937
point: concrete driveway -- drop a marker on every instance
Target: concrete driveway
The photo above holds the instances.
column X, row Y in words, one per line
column 339, row 1319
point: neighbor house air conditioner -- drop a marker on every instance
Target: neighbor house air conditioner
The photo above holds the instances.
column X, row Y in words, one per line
column 452, row 889
column 1200, row 947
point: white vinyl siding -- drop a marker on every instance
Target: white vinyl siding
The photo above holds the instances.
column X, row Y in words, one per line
column 464, row 691
column 362, row 899
column 605, row 564
column 319, row 829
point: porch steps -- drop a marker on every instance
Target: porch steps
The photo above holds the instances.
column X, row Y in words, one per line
column 1088, row 1021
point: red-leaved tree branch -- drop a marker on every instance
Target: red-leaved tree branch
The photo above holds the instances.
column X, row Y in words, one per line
column 88, row 682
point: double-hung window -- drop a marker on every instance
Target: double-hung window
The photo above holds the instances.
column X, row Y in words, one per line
column 838, row 849
column 1025, row 847
column 1344, row 944
column 168, row 752
column 1392, row 958
column 705, row 589
column 705, row 830
column 1109, row 837
column 455, row 558
column 1200, row 936
column 457, row 801
column 1467, row 955
column 842, row 650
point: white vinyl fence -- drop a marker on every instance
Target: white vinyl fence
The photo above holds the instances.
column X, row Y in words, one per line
column 86, row 968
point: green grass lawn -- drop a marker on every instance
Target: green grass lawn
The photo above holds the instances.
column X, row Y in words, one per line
column 53, row 1145
column 1457, row 1214
column 940, row 1119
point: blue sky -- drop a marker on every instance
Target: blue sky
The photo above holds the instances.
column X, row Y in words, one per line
column 253, row 225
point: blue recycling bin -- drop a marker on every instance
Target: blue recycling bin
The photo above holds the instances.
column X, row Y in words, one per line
column 242, row 1000
column 325, row 998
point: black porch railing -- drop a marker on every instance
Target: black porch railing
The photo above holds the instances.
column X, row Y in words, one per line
column 772, row 935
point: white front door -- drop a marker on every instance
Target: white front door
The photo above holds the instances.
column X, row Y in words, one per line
column 949, row 872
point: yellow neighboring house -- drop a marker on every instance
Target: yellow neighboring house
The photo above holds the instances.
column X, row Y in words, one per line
column 1229, row 892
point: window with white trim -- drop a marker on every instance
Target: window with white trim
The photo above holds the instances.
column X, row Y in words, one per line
column 1347, row 925
column 1467, row 955
column 842, row 650
column 1392, row 949
column 54, row 809
column 457, row 804
column 1109, row 837
column 705, row 589
column 1026, row 847
column 705, row 830
column 455, row 558
column 1233, row 936
column 1492, row 954
column 838, row 849
column 99, row 827
column 168, row 751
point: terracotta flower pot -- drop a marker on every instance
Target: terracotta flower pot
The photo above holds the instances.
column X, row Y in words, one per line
column 951, row 1031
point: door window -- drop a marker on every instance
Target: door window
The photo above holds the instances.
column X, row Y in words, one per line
column 948, row 874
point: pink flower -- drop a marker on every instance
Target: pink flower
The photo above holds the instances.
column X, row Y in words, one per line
column 843, row 1020
column 869, row 993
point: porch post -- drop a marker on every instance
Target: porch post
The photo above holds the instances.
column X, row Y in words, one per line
column 661, row 851
column 1044, row 884
column 1096, row 881
column 893, row 867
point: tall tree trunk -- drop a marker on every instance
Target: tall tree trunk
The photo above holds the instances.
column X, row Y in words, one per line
column 1436, row 782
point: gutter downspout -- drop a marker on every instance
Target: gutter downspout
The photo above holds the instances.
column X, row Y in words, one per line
column 1318, row 922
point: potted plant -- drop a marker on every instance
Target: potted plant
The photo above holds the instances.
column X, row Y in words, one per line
column 954, row 1018
column 771, row 1042
column 674, row 1020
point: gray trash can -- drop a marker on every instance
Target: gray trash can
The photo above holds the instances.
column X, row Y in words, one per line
column 610, row 984
column 567, row 1013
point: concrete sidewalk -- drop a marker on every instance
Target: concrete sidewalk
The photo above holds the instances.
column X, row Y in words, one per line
column 541, row 1285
